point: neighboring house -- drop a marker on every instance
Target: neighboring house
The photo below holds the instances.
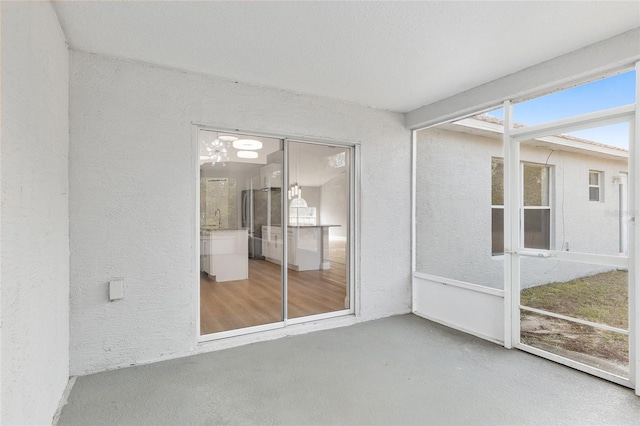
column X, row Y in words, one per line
column 574, row 199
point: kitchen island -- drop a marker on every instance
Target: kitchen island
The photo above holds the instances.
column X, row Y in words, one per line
column 308, row 246
column 224, row 254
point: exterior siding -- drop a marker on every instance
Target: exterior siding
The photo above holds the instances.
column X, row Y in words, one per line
column 453, row 209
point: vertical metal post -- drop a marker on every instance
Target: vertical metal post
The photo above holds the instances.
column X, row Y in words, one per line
column 507, row 229
column 515, row 222
column 512, row 196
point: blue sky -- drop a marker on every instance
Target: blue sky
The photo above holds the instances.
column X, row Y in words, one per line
column 606, row 93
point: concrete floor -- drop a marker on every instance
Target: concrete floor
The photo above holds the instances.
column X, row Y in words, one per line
column 399, row 370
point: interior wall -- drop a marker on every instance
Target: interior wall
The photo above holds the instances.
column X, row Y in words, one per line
column 34, row 213
column 313, row 196
column 335, row 205
column 132, row 204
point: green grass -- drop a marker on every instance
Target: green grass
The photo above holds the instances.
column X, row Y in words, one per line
column 600, row 298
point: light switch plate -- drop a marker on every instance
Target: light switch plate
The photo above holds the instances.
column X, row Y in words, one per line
column 116, row 289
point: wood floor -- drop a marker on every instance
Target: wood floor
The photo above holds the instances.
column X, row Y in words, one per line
column 258, row 300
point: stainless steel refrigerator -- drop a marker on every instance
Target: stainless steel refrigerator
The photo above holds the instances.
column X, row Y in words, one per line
column 260, row 207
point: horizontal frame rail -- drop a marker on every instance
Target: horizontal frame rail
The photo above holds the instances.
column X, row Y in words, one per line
column 572, row 124
column 576, row 320
column 566, row 256
column 461, row 284
column 576, row 364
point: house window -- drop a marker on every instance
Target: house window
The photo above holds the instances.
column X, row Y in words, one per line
column 497, row 206
column 536, row 209
column 596, row 179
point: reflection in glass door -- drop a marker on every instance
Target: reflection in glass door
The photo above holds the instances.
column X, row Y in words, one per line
column 573, row 251
column 251, row 218
column 240, row 200
column 318, row 231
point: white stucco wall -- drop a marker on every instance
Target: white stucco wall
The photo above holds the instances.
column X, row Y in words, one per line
column 453, row 209
column 132, row 202
column 34, row 242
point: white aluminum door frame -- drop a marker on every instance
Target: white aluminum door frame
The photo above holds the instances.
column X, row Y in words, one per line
column 514, row 243
column 633, row 235
column 354, row 232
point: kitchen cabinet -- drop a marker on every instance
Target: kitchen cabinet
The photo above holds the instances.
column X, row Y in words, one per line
column 224, row 254
column 308, row 246
column 271, row 176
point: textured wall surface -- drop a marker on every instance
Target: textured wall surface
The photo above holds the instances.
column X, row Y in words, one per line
column 132, row 185
column 453, row 208
column 34, row 213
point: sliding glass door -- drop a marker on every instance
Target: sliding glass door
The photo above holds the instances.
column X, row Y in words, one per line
column 240, row 200
column 318, row 231
column 263, row 200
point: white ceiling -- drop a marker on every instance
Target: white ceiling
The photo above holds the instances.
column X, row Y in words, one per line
column 389, row 55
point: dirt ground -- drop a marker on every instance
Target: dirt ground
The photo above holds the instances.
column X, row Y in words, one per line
column 600, row 298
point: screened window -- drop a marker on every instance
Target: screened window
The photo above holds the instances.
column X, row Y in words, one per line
column 595, row 185
column 536, row 209
column 497, row 206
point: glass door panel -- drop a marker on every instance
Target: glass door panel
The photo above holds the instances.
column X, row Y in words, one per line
column 240, row 208
column 318, row 228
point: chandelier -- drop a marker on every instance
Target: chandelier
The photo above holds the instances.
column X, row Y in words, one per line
column 217, row 151
column 295, row 191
